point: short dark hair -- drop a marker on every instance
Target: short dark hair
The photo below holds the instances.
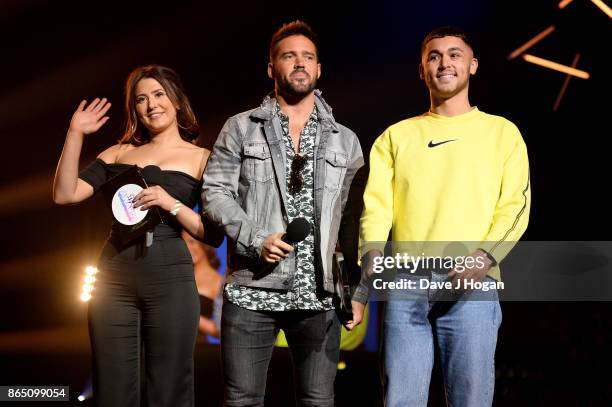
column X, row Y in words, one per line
column 296, row 27
column 135, row 133
column 447, row 31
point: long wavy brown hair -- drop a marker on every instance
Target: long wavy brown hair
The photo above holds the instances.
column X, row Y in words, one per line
column 135, row 132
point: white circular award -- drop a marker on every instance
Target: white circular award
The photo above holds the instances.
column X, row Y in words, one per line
column 122, row 207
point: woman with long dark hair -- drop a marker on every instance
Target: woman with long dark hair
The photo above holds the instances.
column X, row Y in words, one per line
column 145, row 294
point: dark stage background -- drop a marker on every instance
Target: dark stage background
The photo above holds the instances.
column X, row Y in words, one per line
column 56, row 53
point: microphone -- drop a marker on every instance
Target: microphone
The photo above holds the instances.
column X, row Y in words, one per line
column 297, row 231
column 153, row 175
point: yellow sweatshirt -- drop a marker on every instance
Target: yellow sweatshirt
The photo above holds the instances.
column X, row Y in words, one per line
column 463, row 178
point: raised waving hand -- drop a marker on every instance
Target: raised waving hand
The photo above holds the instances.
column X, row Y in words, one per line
column 67, row 187
column 87, row 120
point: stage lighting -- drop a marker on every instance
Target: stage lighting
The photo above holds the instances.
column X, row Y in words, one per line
column 603, row 7
column 86, row 393
column 531, row 42
column 565, row 83
column 569, row 70
column 556, row 67
column 88, row 285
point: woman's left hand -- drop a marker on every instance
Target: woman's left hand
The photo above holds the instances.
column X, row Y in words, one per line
column 154, row 196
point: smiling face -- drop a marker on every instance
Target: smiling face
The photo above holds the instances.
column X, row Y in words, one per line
column 155, row 109
column 446, row 66
column 295, row 67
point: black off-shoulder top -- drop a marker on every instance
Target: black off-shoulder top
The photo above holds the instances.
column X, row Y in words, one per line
column 178, row 184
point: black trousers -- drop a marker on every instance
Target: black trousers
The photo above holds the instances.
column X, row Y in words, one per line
column 144, row 298
column 247, row 340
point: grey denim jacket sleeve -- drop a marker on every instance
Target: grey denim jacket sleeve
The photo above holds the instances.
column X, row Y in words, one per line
column 220, row 192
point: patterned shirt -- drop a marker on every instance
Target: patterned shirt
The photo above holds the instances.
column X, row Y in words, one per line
column 303, row 295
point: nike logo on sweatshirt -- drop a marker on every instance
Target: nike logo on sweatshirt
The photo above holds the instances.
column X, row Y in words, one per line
column 432, row 144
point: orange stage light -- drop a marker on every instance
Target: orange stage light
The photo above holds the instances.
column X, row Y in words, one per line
column 565, row 83
column 603, row 7
column 556, row 66
column 531, row 42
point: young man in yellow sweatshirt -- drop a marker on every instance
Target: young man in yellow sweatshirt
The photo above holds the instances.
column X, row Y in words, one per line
column 453, row 174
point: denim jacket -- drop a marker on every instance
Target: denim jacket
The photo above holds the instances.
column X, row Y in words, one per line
column 244, row 191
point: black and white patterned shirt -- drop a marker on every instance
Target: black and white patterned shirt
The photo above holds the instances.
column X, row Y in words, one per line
column 303, row 295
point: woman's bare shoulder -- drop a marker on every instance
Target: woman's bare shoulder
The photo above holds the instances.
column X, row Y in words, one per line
column 111, row 154
column 199, row 158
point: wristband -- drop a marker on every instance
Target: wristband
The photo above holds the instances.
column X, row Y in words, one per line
column 176, row 208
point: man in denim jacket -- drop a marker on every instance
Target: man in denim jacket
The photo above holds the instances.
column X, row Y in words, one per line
column 287, row 159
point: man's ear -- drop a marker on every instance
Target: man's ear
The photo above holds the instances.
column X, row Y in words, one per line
column 318, row 71
column 421, row 72
column 473, row 66
column 270, row 70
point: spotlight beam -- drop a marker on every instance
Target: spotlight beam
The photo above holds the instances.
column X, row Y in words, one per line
column 531, row 42
column 603, row 7
column 556, row 66
column 564, row 3
column 565, row 83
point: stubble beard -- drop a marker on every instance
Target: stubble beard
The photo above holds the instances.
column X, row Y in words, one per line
column 295, row 89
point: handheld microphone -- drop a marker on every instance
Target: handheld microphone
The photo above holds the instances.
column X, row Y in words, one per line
column 297, row 231
column 153, row 175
